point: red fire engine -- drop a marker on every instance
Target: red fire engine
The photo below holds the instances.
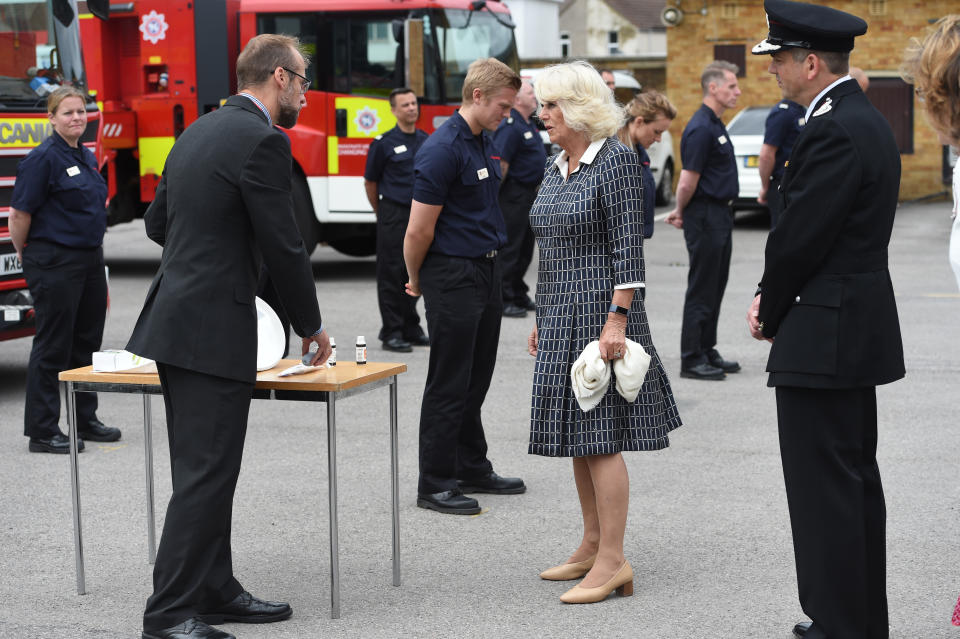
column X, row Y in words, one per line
column 39, row 50
column 157, row 65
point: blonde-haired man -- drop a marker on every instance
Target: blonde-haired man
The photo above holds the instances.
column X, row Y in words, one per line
column 455, row 232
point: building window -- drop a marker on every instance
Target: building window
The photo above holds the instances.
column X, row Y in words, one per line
column 729, row 10
column 894, row 99
column 735, row 53
column 564, row 44
column 878, row 8
column 613, row 42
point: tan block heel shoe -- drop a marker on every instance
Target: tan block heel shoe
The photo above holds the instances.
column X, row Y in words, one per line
column 622, row 582
column 566, row 572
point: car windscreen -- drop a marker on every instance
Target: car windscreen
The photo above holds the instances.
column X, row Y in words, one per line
column 749, row 122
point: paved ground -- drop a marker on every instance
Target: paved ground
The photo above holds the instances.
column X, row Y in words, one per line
column 708, row 532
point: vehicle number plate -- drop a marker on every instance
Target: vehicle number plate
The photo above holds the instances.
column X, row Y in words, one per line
column 751, row 161
column 10, row 264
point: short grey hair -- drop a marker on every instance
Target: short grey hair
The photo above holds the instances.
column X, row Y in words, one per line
column 714, row 73
column 584, row 99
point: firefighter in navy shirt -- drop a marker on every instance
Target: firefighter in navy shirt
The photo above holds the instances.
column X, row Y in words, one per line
column 451, row 245
column 522, row 158
column 388, row 180
column 708, row 183
column 783, row 126
column 57, row 224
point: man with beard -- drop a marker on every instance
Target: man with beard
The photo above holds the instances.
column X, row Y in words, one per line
column 223, row 201
column 455, row 232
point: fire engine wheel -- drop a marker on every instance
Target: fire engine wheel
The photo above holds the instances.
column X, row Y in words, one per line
column 303, row 212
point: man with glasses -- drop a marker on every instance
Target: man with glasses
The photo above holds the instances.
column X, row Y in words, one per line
column 224, row 201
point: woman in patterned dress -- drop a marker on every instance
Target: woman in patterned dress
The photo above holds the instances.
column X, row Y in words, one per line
column 587, row 220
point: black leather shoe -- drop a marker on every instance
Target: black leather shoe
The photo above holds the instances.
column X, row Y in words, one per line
column 246, row 608
column 97, row 431
column 397, row 345
column 512, row 310
column 420, row 340
column 59, row 444
column 800, row 630
column 717, row 361
column 528, row 304
column 189, row 629
column 451, row 502
column 702, row 371
column 493, row 483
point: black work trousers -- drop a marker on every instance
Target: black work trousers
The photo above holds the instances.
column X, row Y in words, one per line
column 69, row 290
column 398, row 311
column 516, row 198
column 708, row 231
column 206, row 427
column 463, row 309
column 828, row 445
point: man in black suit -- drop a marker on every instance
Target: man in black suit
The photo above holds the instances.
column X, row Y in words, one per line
column 826, row 303
column 223, row 202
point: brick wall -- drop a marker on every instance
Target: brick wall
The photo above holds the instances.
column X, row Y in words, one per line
column 879, row 52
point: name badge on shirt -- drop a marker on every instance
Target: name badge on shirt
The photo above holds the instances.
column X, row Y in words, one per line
column 722, row 139
column 483, row 174
column 527, row 135
column 73, row 170
column 400, row 149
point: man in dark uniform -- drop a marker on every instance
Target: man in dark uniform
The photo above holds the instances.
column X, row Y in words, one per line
column 451, row 245
column 388, row 180
column 708, row 183
column 522, row 158
column 780, row 132
column 827, row 303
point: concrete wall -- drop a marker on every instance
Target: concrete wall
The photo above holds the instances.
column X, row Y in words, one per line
column 879, row 53
column 589, row 21
column 538, row 27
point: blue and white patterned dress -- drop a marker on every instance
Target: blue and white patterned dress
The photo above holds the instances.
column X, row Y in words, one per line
column 589, row 230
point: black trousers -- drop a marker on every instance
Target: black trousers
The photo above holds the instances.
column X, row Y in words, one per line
column 464, row 309
column 516, row 199
column 69, row 289
column 708, row 231
column 398, row 311
column 206, row 427
column 774, row 202
column 828, row 444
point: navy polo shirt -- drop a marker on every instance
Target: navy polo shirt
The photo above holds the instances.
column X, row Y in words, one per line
column 461, row 172
column 64, row 193
column 706, row 148
column 390, row 163
column 783, row 126
column 649, row 191
column 520, row 145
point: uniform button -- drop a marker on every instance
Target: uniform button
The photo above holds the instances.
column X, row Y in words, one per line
column 798, row 299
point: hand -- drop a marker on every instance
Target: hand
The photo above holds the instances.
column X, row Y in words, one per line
column 613, row 341
column 762, row 196
column 675, row 218
column 323, row 350
column 753, row 321
column 412, row 287
column 532, row 341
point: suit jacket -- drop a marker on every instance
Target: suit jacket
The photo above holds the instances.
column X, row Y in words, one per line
column 223, row 202
column 827, row 297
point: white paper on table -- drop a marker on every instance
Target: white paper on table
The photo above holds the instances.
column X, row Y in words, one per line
column 300, row 369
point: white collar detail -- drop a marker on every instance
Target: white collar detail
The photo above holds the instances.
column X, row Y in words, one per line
column 588, row 157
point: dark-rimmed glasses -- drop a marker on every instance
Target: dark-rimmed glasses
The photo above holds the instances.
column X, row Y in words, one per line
column 304, row 85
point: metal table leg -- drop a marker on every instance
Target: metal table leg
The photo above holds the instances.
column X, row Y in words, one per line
column 334, row 526
column 394, row 481
column 148, row 464
column 66, row 389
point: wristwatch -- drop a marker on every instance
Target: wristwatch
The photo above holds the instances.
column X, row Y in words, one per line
column 618, row 309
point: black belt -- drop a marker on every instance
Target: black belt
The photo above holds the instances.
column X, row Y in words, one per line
column 489, row 255
column 395, row 203
column 849, row 264
column 709, row 199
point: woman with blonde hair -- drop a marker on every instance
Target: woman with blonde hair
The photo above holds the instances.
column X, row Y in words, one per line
column 649, row 114
column 587, row 220
column 933, row 67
